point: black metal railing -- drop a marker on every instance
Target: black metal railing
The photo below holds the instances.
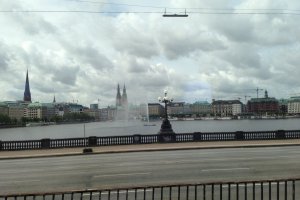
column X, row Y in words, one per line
column 93, row 141
column 283, row 189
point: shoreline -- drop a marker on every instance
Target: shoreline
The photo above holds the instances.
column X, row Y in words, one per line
column 171, row 119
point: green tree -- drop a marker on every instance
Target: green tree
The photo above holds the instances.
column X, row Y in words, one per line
column 5, row 119
column 75, row 117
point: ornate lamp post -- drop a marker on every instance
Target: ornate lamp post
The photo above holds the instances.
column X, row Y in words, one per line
column 166, row 127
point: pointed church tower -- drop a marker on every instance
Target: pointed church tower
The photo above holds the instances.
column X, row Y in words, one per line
column 118, row 98
column 27, row 94
column 124, row 97
column 54, row 100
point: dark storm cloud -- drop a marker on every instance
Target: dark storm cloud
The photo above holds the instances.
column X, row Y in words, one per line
column 156, row 76
column 136, row 44
column 136, row 65
column 193, row 86
column 286, row 67
column 181, row 42
column 3, row 61
column 92, row 56
column 88, row 53
column 239, row 29
column 5, row 56
column 131, row 35
column 242, row 56
column 44, row 87
column 66, row 75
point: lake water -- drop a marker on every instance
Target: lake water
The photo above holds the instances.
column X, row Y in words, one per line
column 137, row 127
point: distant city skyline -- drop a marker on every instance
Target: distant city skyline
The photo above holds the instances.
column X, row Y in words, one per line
column 122, row 101
column 81, row 56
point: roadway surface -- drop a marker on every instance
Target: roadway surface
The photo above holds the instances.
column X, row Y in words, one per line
column 147, row 168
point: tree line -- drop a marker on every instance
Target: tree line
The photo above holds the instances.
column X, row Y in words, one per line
column 68, row 117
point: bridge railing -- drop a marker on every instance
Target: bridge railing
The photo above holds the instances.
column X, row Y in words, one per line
column 93, row 141
column 236, row 190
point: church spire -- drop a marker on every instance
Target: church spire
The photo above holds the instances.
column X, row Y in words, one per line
column 124, row 97
column 27, row 94
column 54, row 100
column 118, row 98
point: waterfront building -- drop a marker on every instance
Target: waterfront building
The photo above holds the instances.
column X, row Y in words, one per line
column 155, row 110
column 94, row 106
column 293, row 105
column 142, row 110
column 74, row 108
column 59, row 109
column 176, row 109
column 187, row 109
column 237, row 108
column 103, row 114
column 226, row 108
column 111, row 113
column 63, row 108
column 27, row 94
column 94, row 111
column 200, row 108
column 95, row 114
column 3, row 108
column 42, row 111
column 263, row 106
column 16, row 111
column 283, row 106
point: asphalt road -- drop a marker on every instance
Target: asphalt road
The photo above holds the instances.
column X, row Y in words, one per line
column 144, row 168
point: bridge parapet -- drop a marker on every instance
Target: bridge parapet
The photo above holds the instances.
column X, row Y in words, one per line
column 94, row 141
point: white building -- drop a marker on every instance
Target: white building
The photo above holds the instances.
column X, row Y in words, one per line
column 294, row 105
column 43, row 111
column 226, row 108
column 236, row 108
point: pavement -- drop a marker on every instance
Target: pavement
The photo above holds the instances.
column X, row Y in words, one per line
column 144, row 148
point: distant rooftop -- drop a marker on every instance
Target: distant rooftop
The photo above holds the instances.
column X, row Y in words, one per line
column 269, row 99
column 201, row 103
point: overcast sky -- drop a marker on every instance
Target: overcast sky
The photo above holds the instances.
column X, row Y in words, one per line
column 83, row 56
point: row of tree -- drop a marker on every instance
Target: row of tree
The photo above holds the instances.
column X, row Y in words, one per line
column 6, row 120
column 68, row 117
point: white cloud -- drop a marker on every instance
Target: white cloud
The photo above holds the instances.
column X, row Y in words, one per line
column 81, row 56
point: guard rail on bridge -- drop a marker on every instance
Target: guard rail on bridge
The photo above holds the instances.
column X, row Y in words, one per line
column 282, row 189
column 93, row 141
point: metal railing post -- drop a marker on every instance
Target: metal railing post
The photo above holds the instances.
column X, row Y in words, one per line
column 45, row 143
column 197, row 136
column 239, row 135
column 92, row 141
column 137, row 139
column 280, row 134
